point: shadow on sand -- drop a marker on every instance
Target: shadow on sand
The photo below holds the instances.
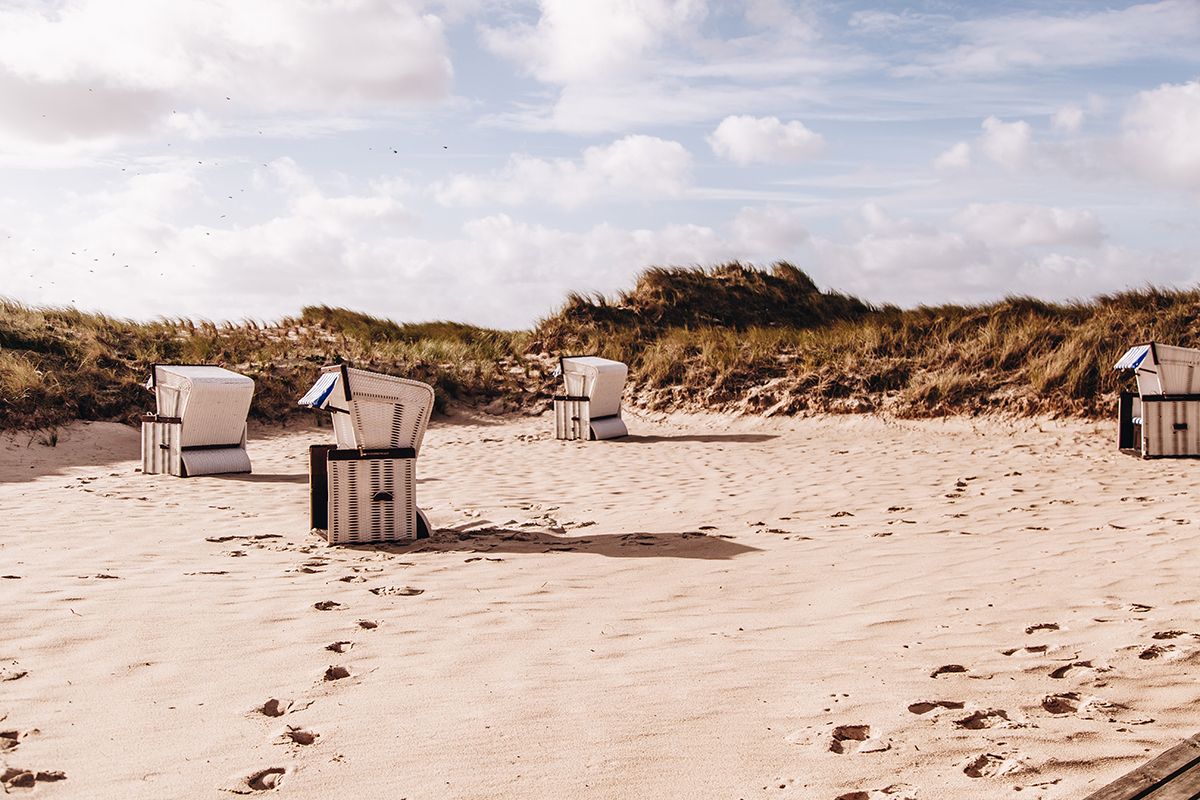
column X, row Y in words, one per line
column 709, row 438
column 262, row 477
column 489, row 541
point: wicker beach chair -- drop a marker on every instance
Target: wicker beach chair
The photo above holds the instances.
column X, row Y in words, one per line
column 199, row 427
column 364, row 487
column 590, row 405
column 1163, row 418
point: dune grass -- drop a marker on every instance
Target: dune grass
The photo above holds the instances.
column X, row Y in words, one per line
column 729, row 338
column 58, row 364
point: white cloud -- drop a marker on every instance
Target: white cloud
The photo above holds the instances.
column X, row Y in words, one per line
column 620, row 65
column 1067, row 119
column 907, row 257
column 140, row 252
column 1161, row 137
column 1025, row 41
column 771, row 230
column 338, row 216
column 1020, row 225
column 780, row 17
column 91, row 69
column 907, row 262
column 642, row 163
column 595, row 41
column 957, row 157
column 744, row 139
column 1006, row 143
column 634, row 165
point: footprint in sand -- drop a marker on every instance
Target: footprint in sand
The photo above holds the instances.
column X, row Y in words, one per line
column 846, row 738
column 12, row 673
column 984, row 718
column 275, row 707
column 336, row 673
column 340, row 647
column 17, row 778
column 1171, row 635
column 1155, row 651
column 948, row 669
column 10, row 739
column 352, row 579
column 925, row 706
column 989, row 765
column 260, row 780
column 1117, row 713
column 368, row 624
column 1063, row 671
column 300, row 736
column 328, row 605
column 897, row 791
column 856, row 739
column 1042, row 626
column 396, row 591
column 1065, row 703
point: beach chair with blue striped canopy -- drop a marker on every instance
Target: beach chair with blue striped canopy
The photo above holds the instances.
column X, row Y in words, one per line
column 1163, row 418
column 364, row 486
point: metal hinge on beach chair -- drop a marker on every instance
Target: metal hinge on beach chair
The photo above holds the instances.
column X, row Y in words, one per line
column 199, row 427
column 363, row 488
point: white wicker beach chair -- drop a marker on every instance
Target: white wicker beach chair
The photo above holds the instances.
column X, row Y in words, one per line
column 1163, row 418
column 199, row 427
column 590, row 406
column 364, row 487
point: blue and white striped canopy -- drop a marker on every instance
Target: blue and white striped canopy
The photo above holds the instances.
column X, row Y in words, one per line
column 1135, row 356
column 318, row 395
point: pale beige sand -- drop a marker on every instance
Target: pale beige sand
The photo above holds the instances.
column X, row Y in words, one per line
column 710, row 608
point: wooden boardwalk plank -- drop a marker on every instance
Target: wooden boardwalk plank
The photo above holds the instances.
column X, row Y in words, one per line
column 1173, row 775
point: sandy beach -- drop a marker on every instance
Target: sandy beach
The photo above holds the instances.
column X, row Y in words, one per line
column 829, row 607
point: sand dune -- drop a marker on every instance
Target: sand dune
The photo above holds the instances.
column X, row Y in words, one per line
column 835, row 607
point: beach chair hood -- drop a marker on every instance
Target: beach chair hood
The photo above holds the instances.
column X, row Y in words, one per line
column 372, row 410
column 212, row 401
column 200, row 424
column 1163, row 369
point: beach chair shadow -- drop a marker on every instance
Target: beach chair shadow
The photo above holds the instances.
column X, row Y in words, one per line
column 265, row 477
column 495, row 541
column 706, row 438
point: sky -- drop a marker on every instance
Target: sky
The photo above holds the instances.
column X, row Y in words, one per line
column 477, row 160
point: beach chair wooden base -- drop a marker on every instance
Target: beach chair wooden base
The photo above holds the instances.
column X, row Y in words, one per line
column 365, row 496
column 1174, row 775
column 573, row 420
column 160, row 445
column 163, row 455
